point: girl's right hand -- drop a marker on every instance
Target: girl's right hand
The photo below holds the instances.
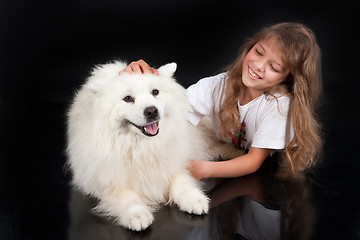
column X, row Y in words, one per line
column 139, row 66
column 200, row 169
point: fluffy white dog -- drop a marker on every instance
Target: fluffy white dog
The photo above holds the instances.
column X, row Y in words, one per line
column 130, row 143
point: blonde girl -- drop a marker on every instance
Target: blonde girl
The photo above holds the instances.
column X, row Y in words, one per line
column 266, row 102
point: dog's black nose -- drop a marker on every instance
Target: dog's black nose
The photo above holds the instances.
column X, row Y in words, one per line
column 151, row 113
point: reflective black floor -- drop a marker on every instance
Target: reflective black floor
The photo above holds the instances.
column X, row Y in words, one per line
column 251, row 207
column 38, row 203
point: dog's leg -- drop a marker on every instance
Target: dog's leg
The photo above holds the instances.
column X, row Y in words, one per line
column 186, row 193
column 216, row 148
column 128, row 209
column 224, row 151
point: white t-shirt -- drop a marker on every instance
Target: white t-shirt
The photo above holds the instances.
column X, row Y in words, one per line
column 263, row 120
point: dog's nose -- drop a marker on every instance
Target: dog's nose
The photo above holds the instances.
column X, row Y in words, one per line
column 151, row 112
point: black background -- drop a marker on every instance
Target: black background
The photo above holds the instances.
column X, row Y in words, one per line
column 47, row 49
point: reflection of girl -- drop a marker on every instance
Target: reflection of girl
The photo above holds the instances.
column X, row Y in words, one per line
column 254, row 207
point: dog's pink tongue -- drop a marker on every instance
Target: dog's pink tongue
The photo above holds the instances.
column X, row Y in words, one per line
column 152, row 128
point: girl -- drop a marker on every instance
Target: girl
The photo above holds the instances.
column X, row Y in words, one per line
column 265, row 102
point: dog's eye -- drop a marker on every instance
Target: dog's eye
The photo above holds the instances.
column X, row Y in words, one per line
column 129, row 99
column 155, row 92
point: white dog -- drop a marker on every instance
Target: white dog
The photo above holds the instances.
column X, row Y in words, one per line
column 130, row 143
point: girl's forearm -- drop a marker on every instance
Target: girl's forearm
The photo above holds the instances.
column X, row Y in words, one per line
column 231, row 168
column 240, row 166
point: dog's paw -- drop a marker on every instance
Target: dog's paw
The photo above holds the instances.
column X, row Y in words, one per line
column 194, row 202
column 137, row 218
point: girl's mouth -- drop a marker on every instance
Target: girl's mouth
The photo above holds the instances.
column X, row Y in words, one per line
column 253, row 75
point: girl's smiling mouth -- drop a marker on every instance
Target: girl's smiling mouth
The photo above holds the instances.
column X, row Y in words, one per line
column 253, row 74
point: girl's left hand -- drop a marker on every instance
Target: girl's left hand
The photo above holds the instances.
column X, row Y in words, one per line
column 139, row 66
column 200, row 169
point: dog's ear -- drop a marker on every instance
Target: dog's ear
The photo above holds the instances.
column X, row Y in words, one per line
column 168, row 69
column 95, row 87
column 101, row 74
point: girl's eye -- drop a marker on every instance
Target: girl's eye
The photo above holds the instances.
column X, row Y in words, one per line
column 129, row 99
column 257, row 52
column 155, row 92
column 274, row 69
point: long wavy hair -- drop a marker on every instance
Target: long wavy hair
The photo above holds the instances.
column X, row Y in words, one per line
column 301, row 54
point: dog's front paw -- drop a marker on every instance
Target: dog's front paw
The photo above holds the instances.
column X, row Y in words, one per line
column 194, row 202
column 137, row 218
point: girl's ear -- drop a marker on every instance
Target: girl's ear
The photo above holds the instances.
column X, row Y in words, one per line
column 168, row 70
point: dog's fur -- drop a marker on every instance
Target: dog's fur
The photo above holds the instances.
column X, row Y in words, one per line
column 113, row 158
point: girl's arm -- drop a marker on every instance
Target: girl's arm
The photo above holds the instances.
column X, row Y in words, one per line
column 240, row 166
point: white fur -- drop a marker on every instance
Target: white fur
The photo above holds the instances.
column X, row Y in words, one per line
column 131, row 173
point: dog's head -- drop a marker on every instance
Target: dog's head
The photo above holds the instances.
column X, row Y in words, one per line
column 137, row 102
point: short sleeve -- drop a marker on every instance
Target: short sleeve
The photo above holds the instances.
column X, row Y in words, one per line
column 271, row 129
column 204, row 97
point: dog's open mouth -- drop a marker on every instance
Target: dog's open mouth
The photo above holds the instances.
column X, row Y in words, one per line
column 149, row 130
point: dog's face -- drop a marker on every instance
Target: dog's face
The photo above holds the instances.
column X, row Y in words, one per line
column 138, row 102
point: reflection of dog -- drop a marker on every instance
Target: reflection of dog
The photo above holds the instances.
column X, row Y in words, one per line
column 129, row 144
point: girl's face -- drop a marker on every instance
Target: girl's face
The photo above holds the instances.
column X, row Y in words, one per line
column 263, row 67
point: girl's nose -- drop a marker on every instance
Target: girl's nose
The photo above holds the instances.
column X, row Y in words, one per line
column 260, row 66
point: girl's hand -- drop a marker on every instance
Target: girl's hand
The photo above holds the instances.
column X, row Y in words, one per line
column 200, row 169
column 139, row 66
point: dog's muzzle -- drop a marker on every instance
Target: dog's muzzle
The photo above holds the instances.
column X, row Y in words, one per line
column 152, row 117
